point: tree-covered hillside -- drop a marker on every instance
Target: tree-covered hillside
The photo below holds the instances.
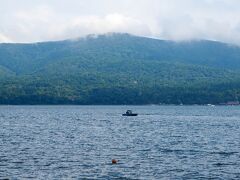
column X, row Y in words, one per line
column 119, row 69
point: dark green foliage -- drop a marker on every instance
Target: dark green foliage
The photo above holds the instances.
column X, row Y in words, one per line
column 119, row 69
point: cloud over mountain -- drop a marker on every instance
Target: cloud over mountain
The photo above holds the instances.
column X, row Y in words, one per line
column 29, row 21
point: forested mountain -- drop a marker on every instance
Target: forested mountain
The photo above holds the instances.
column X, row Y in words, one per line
column 119, row 69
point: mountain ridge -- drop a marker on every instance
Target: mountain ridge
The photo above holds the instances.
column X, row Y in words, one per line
column 95, row 36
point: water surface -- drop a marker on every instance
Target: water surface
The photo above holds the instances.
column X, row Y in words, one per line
column 163, row 142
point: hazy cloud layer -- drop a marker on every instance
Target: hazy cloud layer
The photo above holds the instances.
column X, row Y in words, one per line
column 44, row 20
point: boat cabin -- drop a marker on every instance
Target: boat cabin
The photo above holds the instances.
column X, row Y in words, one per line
column 129, row 112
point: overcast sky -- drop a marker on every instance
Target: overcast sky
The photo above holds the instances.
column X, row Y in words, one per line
column 44, row 20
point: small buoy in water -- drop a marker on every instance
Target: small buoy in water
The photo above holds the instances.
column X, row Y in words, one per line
column 114, row 161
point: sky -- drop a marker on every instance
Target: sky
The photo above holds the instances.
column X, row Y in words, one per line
column 178, row 20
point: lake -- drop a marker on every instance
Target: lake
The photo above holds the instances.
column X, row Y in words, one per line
column 79, row 142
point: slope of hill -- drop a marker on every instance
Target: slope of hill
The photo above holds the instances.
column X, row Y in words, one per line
column 119, row 69
column 5, row 73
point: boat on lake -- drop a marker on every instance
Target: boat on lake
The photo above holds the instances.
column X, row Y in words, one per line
column 130, row 113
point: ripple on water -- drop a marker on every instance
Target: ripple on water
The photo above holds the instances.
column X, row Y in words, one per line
column 163, row 142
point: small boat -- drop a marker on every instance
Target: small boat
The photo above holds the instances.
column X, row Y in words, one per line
column 130, row 113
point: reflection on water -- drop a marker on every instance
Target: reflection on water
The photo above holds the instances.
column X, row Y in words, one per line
column 172, row 142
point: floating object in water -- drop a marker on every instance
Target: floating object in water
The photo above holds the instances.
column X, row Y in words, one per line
column 130, row 113
column 114, row 161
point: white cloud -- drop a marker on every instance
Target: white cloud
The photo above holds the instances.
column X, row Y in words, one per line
column 42, row 20
column 4, row 39
column 84, row 25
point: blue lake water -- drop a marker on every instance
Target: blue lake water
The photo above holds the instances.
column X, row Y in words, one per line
column 79, row 142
